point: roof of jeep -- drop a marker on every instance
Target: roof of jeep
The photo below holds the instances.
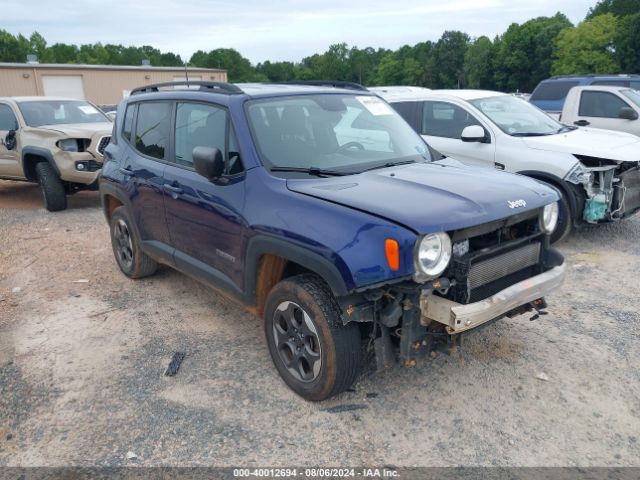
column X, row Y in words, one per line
column 431, row 94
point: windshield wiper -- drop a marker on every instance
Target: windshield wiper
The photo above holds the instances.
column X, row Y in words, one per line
column 388, row 164
column 566, row 128
column 319, row 172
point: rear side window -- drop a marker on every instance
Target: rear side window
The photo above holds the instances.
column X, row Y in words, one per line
column 128, row 122
column 152, row 129
column 556, row 90
column 443, row 119
column 600, row 104
column 7, row 118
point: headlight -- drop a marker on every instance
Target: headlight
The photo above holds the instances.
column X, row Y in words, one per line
column 549, row 217
column 70, row 145
column 578, row 174
column 432, row 256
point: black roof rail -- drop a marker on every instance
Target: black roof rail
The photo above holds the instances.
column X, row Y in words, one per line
column 217, row 87
column 326, row 83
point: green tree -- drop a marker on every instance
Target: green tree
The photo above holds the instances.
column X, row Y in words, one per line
column 524, row 52
column 239, row 69
column 627, row 43
column 587, row 48
column 617, row 7
column 11, row 49
column 63, row 53
column 449, row 54
column 478, row 64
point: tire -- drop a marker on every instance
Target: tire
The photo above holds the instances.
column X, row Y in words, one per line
column 133, row 262
column 321, row 356
column 565, row 220
column 53, row 195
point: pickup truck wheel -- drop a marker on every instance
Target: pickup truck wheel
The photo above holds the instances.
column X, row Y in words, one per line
column 51, row 187
column 315, row 353
column 133, row 262
column 564, row 220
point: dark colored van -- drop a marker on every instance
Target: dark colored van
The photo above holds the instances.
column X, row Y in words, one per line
column 551, row 93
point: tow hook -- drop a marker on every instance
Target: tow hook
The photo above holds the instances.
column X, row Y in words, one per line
column 538, row 306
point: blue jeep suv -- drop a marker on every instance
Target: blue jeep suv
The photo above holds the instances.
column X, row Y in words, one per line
column 319, row 209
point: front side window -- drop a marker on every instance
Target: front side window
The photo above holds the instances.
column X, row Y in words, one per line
column 348, row 133
column 517, row 117
column 443, row 119
column 201, row 125
column 152, row 129
column 198, row 125
column 600, row 104
column 60, row 112
column 7, row 118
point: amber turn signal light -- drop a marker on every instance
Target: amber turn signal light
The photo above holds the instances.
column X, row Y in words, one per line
column 392, row 251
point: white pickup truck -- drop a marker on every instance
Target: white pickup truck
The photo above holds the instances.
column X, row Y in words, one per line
column 608, row 107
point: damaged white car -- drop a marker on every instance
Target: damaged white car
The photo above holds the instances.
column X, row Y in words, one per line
column 596, row 171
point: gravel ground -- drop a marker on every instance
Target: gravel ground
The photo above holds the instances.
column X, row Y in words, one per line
column 83, row 350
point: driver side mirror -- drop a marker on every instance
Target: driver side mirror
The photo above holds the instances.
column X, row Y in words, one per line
column 208, row 162
column 628, row 113
column 473, row 133
column 10, row 140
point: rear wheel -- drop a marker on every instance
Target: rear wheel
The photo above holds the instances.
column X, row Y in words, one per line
column 315, row 353
column 51, row 187
column 133, row 262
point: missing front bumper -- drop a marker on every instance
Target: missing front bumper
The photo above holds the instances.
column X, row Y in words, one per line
column 458, row 317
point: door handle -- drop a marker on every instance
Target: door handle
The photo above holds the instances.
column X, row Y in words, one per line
column 581, row 123
column 126, row 171
column 173, row 191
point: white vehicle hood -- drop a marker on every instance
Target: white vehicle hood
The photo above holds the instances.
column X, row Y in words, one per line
column 618, row 146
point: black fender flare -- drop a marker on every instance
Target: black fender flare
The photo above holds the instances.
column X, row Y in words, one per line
column 260, row 245
column 572, row 193
column 105, row 189
column 40, row 152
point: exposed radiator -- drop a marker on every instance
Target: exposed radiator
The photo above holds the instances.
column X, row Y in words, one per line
column 490, row 270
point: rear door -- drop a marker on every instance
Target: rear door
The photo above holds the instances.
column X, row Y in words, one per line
column 147, row 128
column 442, row 126
column 10, row 162
column 600, row 109
column 205, row 217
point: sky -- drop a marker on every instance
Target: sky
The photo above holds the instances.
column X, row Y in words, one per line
column 275, row 30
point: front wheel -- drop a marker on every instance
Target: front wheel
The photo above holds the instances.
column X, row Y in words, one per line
column 51, row 187
column 315, row 353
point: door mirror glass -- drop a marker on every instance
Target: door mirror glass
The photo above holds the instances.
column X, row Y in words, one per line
column 473, row 133
column 628, row 113
column 208, row 162
column 10, row 140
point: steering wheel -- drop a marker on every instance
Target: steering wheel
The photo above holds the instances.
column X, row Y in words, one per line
column 348, row 145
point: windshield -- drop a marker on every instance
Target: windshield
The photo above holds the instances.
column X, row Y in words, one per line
column 57, row 112
column 633, row 95
column 335, row 133
column 517, row 117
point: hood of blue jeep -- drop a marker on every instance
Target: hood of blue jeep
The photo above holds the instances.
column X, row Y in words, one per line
column 432, row 197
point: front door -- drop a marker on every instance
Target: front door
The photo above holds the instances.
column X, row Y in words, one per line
column 205, row 217
column 10, row 165
column 442, row 126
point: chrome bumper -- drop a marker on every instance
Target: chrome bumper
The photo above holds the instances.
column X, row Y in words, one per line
column 458, row 317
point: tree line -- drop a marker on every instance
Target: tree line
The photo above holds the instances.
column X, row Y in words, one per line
column 607, row 41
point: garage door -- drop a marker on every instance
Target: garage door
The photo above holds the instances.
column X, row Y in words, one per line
column 69, row 86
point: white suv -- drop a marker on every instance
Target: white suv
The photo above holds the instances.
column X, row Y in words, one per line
column 596, row 171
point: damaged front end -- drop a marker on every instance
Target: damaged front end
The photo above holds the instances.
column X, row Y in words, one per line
column 612, row 188
column 503, row 268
